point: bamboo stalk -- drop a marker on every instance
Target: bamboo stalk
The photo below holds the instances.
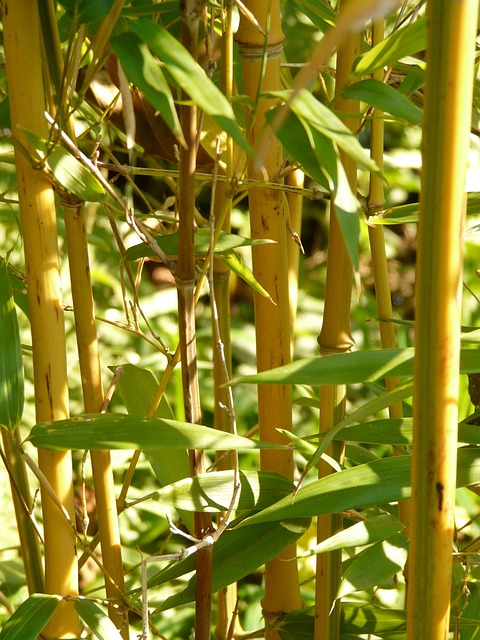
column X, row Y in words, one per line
column 451, row 33
column 93, row 398
column 335, row 337
column 185, row 280
column 376, row 202
column 261, row 71
column 37, row 209
column 295, row 208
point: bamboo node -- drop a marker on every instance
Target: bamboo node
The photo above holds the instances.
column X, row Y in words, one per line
column 254, row 52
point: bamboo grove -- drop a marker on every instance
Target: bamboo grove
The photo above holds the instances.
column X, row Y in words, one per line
column 176, row 463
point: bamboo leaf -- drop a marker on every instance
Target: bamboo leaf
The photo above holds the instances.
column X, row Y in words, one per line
column 188, row 74
column 145, row 72
column 74, row 177
column 236, row 554
column 227, row 242
column 386, row 98
column 235, row 263
column 362, row 533
column 30, row 618
column 398, row 45
column 212, row 492
column 321, row 15
column 375, row 565
column 11, row 366
column 96, row 620
column 118, row 431
column 384, row 480
column 351, row 368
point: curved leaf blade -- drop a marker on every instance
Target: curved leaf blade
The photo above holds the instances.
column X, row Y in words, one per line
column 96, row 620
column 386, row 98
column 118, row 431
column 30, row 618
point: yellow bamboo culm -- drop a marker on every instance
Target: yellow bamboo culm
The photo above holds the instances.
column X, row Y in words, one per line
column 37, row 209
column 335, row 337
column 261, row 71
column 451, row 33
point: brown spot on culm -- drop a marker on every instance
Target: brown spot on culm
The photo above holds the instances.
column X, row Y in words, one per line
column 439, row 488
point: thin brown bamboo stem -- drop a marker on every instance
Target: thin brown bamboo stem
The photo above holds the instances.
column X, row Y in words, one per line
column 335, row 337
column 37, row 209
column 185, row 276
column 261, row 72
column 451, row 34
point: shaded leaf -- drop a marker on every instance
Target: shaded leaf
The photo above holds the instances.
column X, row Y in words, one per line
column 118, row 431
column 11, row 366
column 30, row 617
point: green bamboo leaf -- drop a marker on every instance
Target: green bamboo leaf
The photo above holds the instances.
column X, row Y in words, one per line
column 409, row 213
column 382, row 481
column 235, row 263
column 386, row 98
column 144, row 71
column 30, row 618
column 321, row 15
column 96, row 620
column 226, row 243
column 212, row 492
column 138, row 388
column 400, row 44
column 317, row 155
column 190, row 76
column 118, row 431
column 236, row 554
column 360, row 534
column 11, row 366
column 351, row 368
column 74, row 177
column 375, row 565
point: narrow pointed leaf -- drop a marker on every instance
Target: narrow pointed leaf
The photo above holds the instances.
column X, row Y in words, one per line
column 11, row 366
column 381, row 481
column 352, row 368
column 398, row 45
column 212, row 492
column 188, row 74
column 117, row 431
column 236, row 554
column 359, row 535
column 74, row 177
column 385, row 98
column 375, row 565
column 96, row 620
column 31, row 616
column 145, row 72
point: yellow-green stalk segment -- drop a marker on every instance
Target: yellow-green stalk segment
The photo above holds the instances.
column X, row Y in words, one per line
column 106, row 506
column 335, row 337
column 295, row 207
column 261, row 70
column 227, row 618
column 185, row 276
column 451, row 32
column 37, row 210
column 22, row 500
column 376, row 202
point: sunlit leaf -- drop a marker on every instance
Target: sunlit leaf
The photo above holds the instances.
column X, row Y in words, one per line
column 375, row 565
column 145, row 72
column 96, row 620
column 384, row 97
column 11, row 366
column 189, row 75
column 400, row 44
column 74, row 177
column 31, row 616
column 117, row 431
column 382, row 481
